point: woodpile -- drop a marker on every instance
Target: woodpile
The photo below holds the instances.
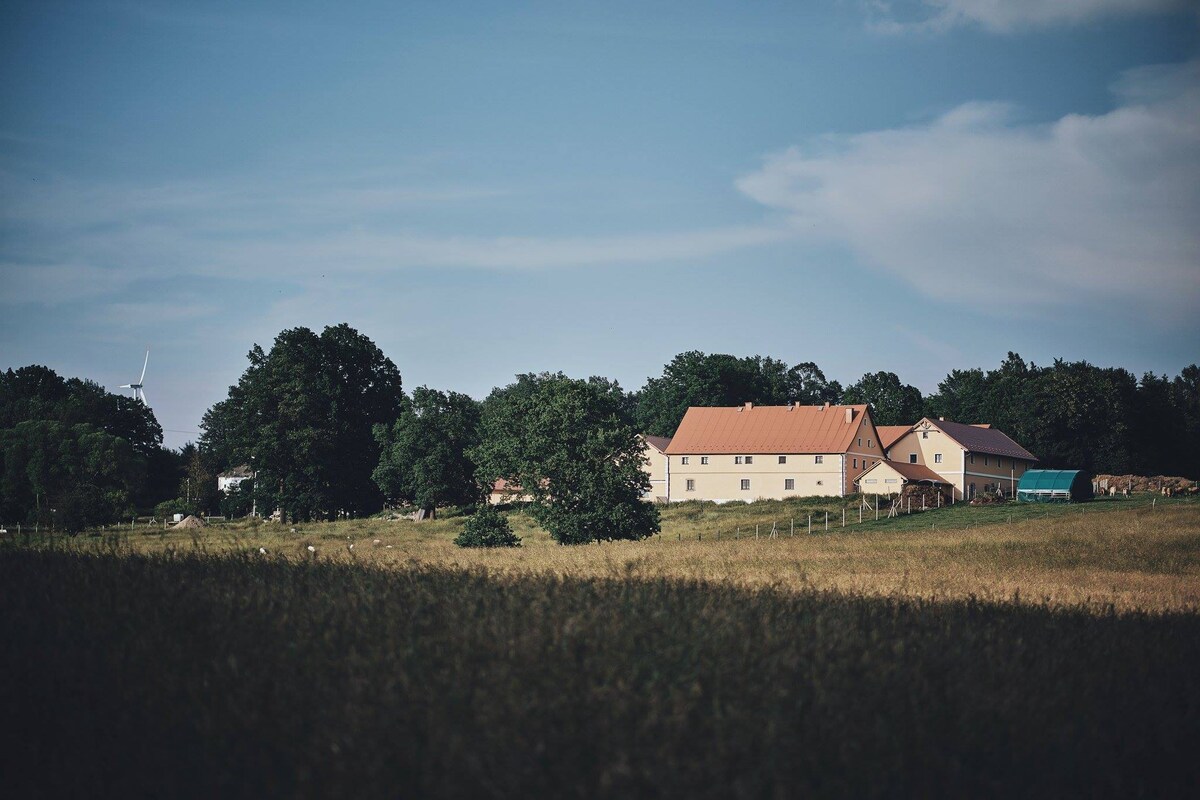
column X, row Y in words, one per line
column 915, row 492
column 1142, row 484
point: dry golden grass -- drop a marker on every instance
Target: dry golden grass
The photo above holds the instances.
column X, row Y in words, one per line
column 1129, row 557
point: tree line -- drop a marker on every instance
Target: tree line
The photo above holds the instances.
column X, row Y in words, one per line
column 325, row 425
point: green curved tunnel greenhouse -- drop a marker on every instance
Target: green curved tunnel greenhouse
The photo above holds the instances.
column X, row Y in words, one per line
column 1054, row 486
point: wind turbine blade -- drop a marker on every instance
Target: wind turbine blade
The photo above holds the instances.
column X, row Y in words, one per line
column 142, row 397
column 144, row 365
column 125, row 386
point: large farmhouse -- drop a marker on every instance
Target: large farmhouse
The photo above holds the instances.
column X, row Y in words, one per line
column 754, row 452
column 972, row 458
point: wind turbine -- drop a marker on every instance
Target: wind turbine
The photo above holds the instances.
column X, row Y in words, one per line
column 137, row 387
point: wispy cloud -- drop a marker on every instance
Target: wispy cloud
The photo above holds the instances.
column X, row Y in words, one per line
column 72, row 240
column 976, row 208
column 1004, row 16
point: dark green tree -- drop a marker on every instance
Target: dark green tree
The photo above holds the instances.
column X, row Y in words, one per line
column 238, row 501
column 305, row 412
column 424, row 454
column 487, row 528
column 43, row 462
column 698, row 379
column 892, row 402
column 567, row 444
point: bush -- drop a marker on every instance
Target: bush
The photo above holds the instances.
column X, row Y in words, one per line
column 82, row 507
column 239, row 500
column 486, row 528
column 177, row 506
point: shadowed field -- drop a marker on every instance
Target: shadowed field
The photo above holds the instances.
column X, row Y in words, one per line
column 1129, row 554
column 236, row 675
column 967, row 651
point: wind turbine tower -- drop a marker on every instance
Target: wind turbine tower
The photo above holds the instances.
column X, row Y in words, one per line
column 137, row 387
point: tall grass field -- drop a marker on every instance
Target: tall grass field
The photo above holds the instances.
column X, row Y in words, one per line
column 1009, row 652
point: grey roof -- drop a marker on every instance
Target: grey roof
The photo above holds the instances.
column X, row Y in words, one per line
column 237, row 472
column 982, row 440
column 658, row 442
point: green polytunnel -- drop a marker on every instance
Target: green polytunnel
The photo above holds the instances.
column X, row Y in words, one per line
column 1054, row 486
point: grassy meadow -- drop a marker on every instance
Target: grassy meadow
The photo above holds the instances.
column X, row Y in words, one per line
column 1043, row 651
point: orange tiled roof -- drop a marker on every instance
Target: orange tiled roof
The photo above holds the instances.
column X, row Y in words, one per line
column 910, row 472
column 890, row 434
column 766, row 429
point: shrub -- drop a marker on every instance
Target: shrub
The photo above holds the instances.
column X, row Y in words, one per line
column 486, row 528
column 177, row 506
column 81, row 507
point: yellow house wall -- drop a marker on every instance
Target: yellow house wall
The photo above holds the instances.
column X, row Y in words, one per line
column 655, row 467
column 955, row 461
column 864, row 453
column 720, row 479
column 886, row 481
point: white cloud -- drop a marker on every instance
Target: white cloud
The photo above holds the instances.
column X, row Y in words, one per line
column 976, row 208
column 1004, row 16
column 73, row 241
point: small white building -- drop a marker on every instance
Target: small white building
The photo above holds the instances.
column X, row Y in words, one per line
column 226, row 481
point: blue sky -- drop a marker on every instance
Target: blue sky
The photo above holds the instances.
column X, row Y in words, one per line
column 486, row 189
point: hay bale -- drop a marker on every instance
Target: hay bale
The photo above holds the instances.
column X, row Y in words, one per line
column 190, row 521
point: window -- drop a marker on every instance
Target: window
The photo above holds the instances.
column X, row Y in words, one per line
column 971, row 491
column 745, row 484
column 912, row 458
column 924, row 434
column 937, row 458
column 985, row 461
column 818, row 459
column 783, row 459
column 789, row 484
column 856, row 463
column 972, row 457
column 872, row 480
column 889, row 480
column 999, row 462
column 691, row 485
column 749, row 459
column 683, row 460
column 703, row 459
column 737, row 459
column 870, row 444
column 860, row 441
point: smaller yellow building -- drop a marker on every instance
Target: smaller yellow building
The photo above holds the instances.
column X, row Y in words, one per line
column 890, row 477
column 973, row 458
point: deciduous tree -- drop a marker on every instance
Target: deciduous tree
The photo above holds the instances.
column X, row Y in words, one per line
column 567, row 444
column 424, row 456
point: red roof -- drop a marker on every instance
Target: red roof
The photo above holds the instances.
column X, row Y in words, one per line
column 910, row 472
column 890, row 434
column 767, row 429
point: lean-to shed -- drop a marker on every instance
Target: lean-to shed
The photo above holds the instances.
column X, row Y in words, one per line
column 1054, row 486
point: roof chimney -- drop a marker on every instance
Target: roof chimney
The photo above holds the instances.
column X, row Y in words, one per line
column 849, row 415
column 826, row 406
column 749, row 406
column 943, row 419
column 791, row 406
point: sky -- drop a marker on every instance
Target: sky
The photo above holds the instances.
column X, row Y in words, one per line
column 486, row 189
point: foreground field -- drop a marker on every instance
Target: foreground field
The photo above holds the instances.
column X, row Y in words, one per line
column 968, row 651
column 1142, row 554
column 233, row 675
